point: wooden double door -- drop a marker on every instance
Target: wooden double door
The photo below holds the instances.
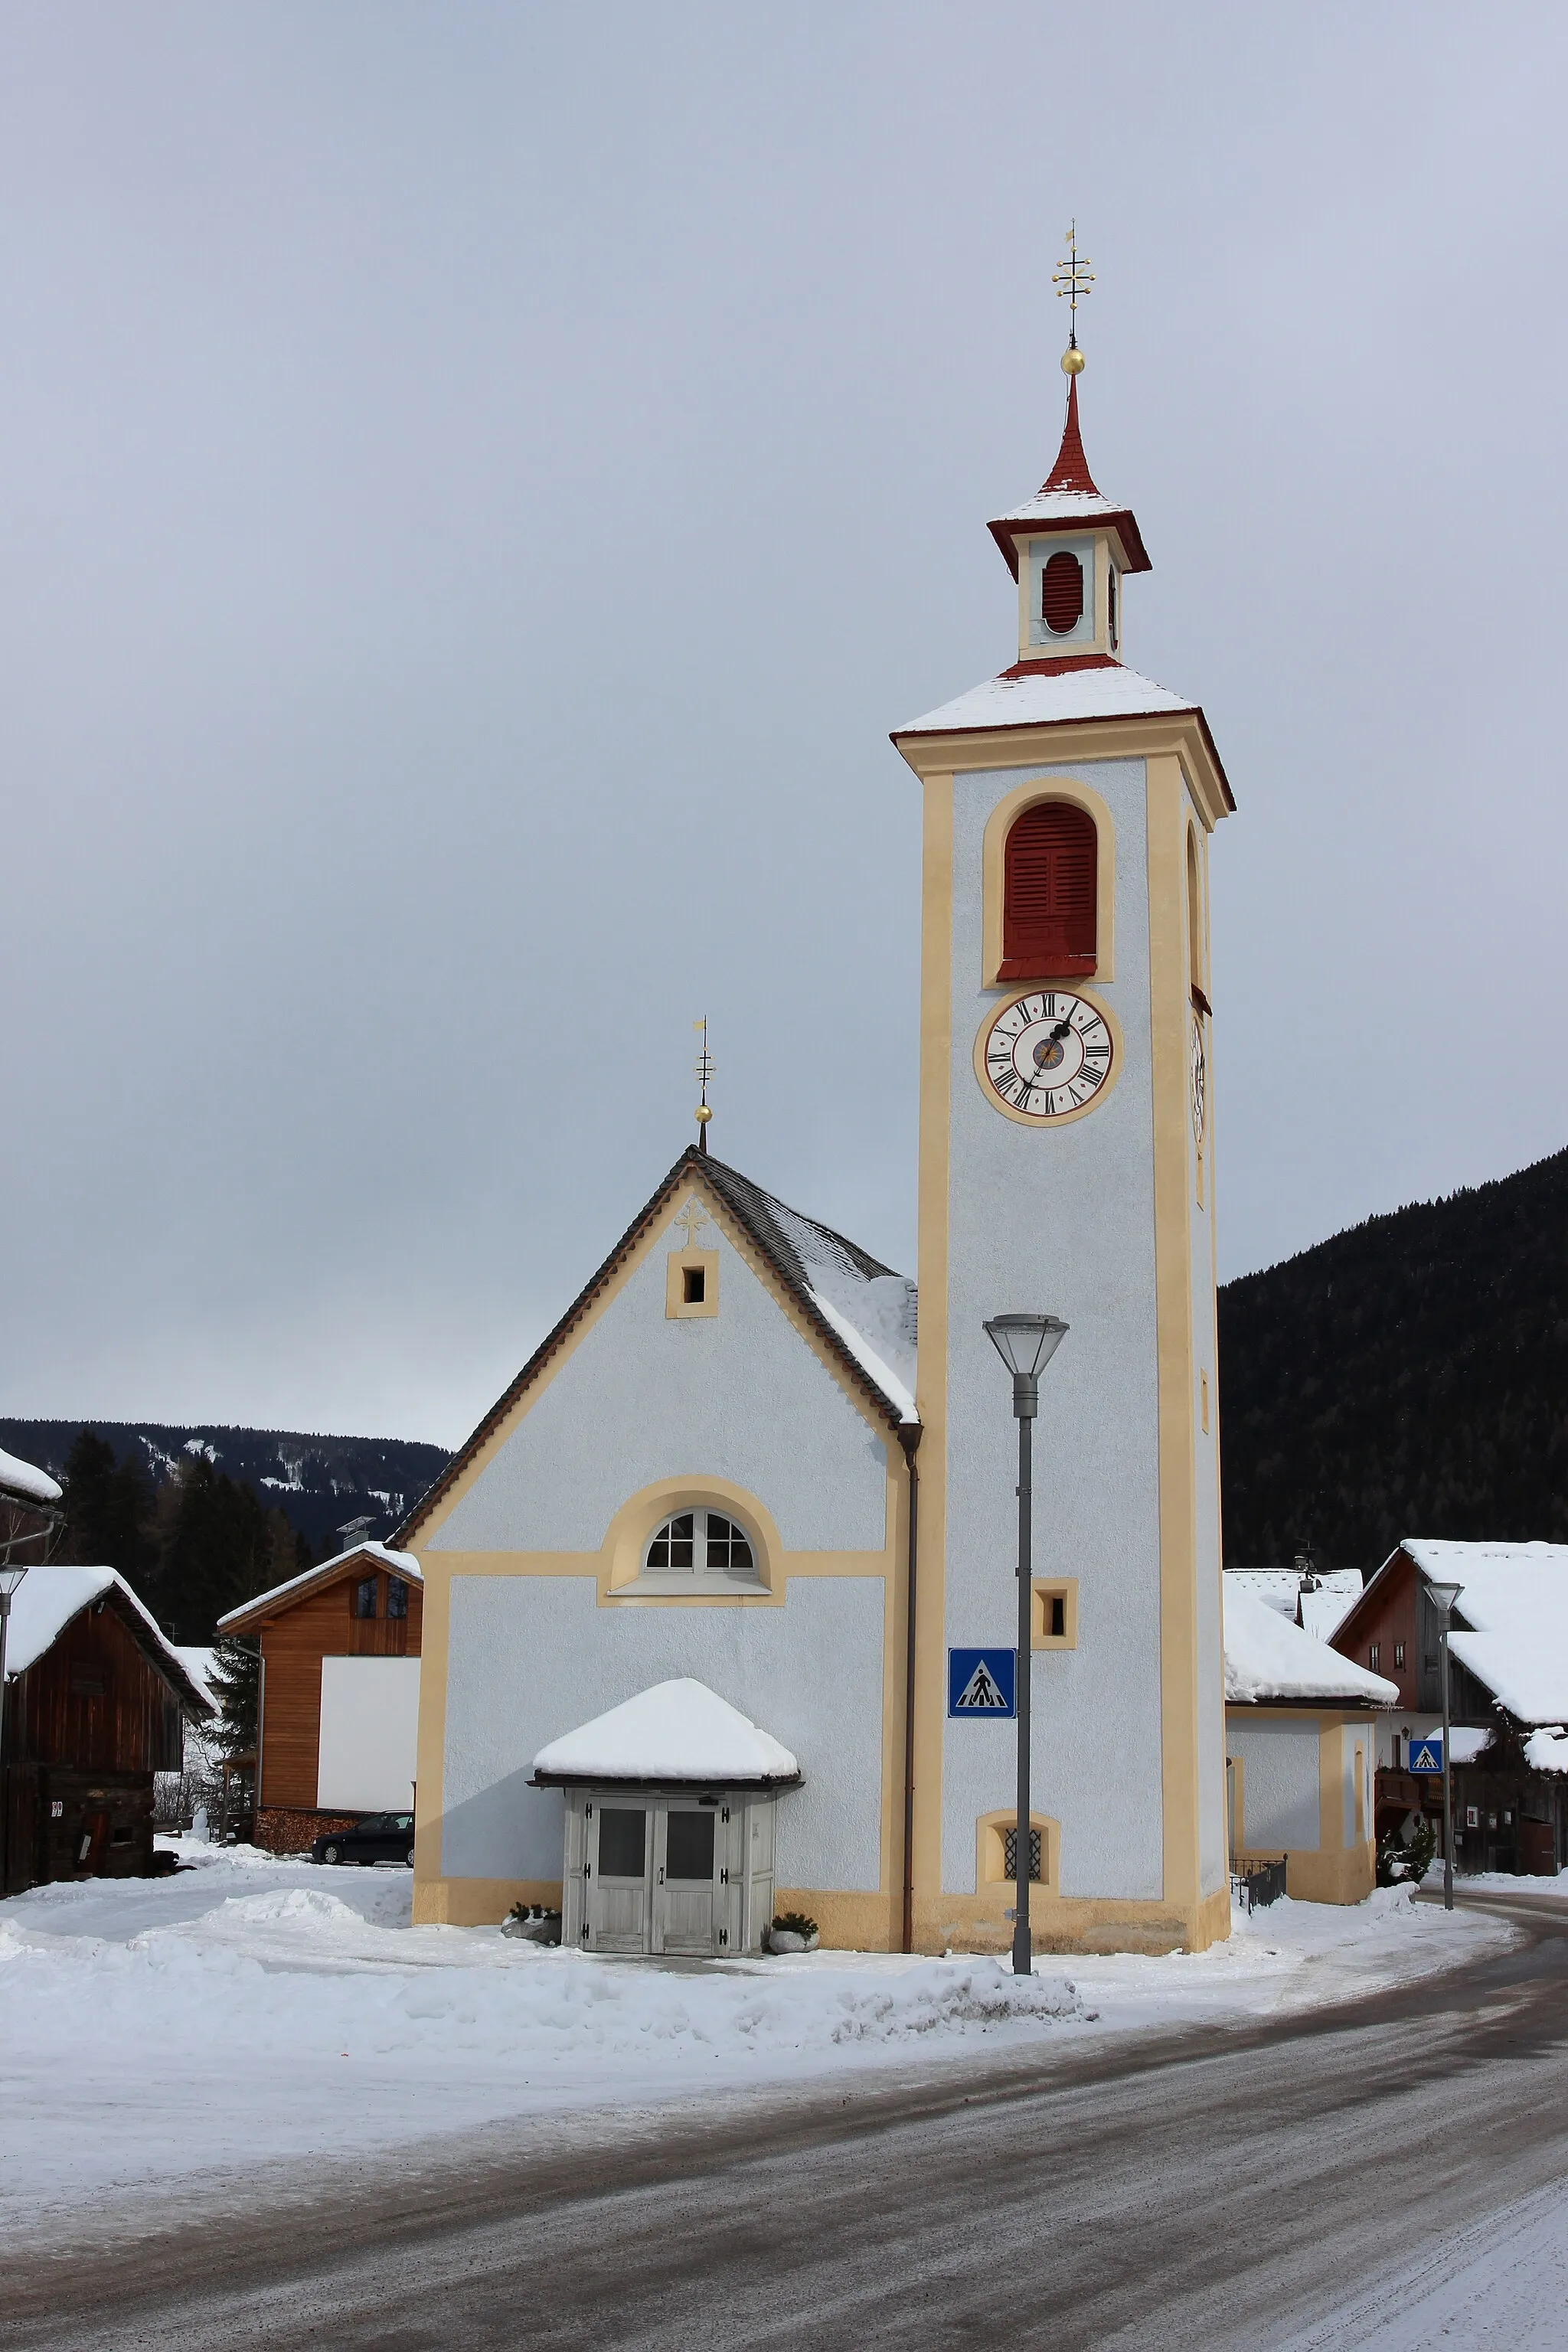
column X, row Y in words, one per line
column 653, row 1873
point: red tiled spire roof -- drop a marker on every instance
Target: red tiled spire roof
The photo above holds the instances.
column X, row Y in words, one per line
column 1070, row 471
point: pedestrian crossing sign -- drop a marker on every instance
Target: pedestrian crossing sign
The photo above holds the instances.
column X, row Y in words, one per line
column 1426, row 1755
column 982, row 1683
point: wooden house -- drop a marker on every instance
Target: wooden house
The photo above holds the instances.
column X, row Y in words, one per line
column 1508, row 1696
column 340, row 1693
column 95, row 1701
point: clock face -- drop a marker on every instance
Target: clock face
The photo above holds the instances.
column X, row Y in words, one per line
column 1048, row 1053
column 1199, row 1075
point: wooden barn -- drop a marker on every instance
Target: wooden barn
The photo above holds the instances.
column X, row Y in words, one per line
column 340, row 1694
column 95, row 1701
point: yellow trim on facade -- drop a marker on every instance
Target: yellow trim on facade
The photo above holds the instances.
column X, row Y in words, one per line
column 677, row 1306
column 1016, row 995
column 1046, row 1590
column 932, row 1252
column 999, row 825
column 1168, row 1001
column 1175, row 735
column 991, row 1852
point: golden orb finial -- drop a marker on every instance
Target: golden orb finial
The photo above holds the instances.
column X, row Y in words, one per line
column 1073, row 361
column 702, row 1114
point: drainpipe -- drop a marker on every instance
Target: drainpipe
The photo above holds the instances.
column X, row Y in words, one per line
column 909, row 1439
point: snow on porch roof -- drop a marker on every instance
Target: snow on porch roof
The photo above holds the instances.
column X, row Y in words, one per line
column 678, row 1730
column 1267, row 1657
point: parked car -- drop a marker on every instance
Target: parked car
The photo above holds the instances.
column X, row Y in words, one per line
column 379, row 1837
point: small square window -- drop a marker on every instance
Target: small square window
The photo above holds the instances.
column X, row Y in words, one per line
column 396, row 1597
column 694, row 1285
column 364, row 1597
column 1010, row 1853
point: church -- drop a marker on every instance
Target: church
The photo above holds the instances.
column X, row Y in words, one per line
column 695, row 1587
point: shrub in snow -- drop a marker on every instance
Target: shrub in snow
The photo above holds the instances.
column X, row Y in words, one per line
column 1402, row 1864
column 792, row 1931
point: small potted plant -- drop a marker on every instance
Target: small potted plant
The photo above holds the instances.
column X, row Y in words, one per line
column 792, row 1931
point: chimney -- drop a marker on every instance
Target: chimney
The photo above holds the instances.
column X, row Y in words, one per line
column 354, row 1532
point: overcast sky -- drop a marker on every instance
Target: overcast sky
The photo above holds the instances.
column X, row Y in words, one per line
column 477, row 484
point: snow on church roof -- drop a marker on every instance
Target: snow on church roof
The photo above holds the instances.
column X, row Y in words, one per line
column 869, row 1310
column 1047, row 697
column 678, row 1730
column 1267, row 1657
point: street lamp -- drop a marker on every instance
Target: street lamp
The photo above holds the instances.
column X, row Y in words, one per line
column 1443, row 1597
column 10, row 1578
column 1025, row 1344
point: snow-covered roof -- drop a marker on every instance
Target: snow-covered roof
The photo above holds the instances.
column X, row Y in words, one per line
column 678, row 1730
column 1266, row 1656
column 1547, row 1751
column 1062, row 506
column 401, row 1563
column 1319, row 1611
column 1468, row 1740
column 1323, row 1612
column 197, row 1662
column 1511, row 1621
column 49, row 1598
column 1046, row 698
column 19, row 1477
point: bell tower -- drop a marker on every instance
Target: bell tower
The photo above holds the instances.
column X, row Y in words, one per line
column 1066, row 1168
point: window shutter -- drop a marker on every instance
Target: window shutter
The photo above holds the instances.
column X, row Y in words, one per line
column 1049, row 894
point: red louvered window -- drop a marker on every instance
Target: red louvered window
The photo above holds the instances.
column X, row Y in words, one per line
column 1049, row 894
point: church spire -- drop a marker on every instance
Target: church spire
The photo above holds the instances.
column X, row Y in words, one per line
column 1070, row 471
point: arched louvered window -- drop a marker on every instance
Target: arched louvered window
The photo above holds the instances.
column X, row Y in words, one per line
column 1050, row 887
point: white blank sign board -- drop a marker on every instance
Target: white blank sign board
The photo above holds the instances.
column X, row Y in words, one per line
column 370, row 1717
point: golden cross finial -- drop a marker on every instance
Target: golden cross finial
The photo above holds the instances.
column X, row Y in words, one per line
column 1072, row 276
column 702, row 1070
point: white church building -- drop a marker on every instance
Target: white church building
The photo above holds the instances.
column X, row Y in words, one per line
column 698, row 1588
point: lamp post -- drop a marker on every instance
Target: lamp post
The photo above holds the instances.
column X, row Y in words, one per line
column 1025, row 1344
column 1443, row 1597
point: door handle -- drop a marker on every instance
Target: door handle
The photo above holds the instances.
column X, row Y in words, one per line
column 662, row 1873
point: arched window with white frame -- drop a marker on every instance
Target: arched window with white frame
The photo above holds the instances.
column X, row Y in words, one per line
column 709, row 1547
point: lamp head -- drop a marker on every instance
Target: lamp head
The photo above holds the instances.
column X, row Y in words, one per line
column 1443, row 1597
column 1025, row 1344
column 10, row 1578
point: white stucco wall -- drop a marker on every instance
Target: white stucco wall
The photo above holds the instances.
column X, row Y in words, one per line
column 529, row 1658
column 1061, row 1221
column 641, row 1397
column 1279, row 1787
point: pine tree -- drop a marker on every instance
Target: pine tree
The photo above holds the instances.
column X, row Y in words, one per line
column 236, row 1681
column 109, row 1510
column 219, row 1548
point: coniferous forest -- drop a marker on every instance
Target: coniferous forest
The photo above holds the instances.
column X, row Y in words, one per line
column 1407, row 1378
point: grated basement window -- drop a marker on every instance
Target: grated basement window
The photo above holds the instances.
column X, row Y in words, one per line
column 1010, row 1853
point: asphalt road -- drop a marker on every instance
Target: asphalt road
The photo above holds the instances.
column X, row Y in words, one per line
column 1221, row 2189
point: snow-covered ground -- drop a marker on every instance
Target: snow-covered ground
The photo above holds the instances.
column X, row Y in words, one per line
column 1500, row 2285
column 163, row 2036
column 1500, row 1882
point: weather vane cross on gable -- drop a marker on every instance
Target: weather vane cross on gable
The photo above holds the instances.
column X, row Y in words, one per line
column 1072, row 276
column 702, row 1071
column 693, row 1221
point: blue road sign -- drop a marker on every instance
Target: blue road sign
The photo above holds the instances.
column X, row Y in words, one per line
column 982, row 1683
column 1426, row 1755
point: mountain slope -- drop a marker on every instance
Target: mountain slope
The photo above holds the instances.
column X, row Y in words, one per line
column 318, row 1482
column 1409, row 1376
